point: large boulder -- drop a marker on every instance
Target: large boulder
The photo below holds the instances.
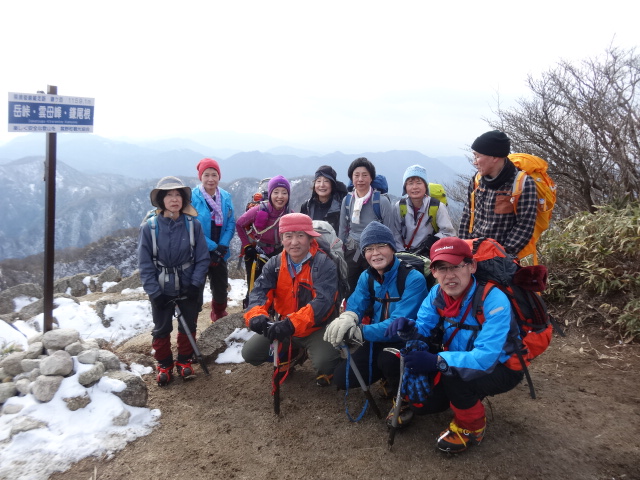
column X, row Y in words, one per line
column 60, row 338
column 30, row 290
column 135, row 392
column 211, row 342
column 45, row 387
column 58, row 363
column 111, row 274
column 12, row 363
column 132, row 282
column 77, row 285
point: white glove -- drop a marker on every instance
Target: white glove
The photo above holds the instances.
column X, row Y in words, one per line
column 344, row 329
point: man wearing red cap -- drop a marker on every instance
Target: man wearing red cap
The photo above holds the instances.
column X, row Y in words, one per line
column 471, row 363
column 215, row 213
column 300, row 285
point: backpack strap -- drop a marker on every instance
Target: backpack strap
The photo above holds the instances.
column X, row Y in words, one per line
column 164, row 270
column 401, row 281
column 434, row 204
column 472, row 201
column 518, row 187
column 376, row 204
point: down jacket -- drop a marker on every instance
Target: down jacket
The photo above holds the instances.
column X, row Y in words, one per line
column 359, row 302
column 308, row 299
column 472, row 353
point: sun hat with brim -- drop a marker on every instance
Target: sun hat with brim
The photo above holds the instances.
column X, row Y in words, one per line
column 297, row 222
column 172, row 183
column 450, row 249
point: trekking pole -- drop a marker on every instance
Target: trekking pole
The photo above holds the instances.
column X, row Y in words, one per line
column 396, row 407
column 363, row 385
column 276, row 380
column 189, row 336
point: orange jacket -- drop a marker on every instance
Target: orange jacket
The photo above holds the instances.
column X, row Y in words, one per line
column 308, row 299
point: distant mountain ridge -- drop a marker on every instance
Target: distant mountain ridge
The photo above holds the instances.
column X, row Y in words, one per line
column 92, row 205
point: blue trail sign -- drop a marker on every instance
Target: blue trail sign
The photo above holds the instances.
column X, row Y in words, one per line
column 42, row 112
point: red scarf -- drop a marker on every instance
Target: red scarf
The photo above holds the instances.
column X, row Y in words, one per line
column 452, row 305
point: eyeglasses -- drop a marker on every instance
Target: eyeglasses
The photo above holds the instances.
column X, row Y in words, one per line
column 452, row 269
column 375, row 248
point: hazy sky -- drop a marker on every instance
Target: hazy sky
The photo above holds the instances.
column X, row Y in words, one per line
column 331, row 75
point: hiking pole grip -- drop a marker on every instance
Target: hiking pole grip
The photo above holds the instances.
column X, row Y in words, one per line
column 192, row 341
column 363, row 385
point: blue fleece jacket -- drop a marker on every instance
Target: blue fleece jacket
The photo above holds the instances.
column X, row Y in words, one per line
column 204, row 217
column 414, row 292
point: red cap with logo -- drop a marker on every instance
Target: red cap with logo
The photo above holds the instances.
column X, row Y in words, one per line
column 450, row 249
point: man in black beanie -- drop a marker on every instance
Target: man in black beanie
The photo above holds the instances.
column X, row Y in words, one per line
column 491, row 210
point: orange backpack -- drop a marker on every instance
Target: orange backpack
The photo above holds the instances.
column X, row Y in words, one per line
column 536, row 168
column 521, row 285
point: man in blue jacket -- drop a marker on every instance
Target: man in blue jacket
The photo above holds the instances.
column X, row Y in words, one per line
column 368, row 316
column 471, row 361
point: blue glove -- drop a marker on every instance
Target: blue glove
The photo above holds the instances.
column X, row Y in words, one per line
column 403, row 327
column 259, row 324
column 280, row 330
column 421, row 361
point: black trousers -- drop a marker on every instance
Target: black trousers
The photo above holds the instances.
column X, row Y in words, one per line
column 465, row 394
column 219, row 281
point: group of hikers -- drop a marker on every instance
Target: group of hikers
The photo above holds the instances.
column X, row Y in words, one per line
column 388, row 317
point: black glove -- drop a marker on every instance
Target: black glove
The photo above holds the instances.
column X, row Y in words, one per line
column 161, row 301
column 250, row 253
column 280, row 330
column 421, row 362
column 403, row 327
column 259, row 324
column 192, row 292
column 222, row 250
column 215, row 257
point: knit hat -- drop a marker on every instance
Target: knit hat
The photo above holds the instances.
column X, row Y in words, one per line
column 494, row 144
column 297, row 222
column 278, row 181
column 374, row 233
column 362, row 162
column 172, row 183
column 415, row 171
column 208, row 163
column 450, row 249
column 327, row 172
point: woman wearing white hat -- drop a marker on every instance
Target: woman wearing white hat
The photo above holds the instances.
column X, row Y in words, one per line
column 173, row 259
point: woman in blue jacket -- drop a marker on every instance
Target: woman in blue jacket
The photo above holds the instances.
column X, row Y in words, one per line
column 173, row 261
column 215, row 213
column 367, row 317
column 472, row 363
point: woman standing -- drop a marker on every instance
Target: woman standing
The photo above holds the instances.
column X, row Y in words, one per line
column 215, row 213
column 258, row 229
column 360, row 207
column 419, row 220
column 326, row 197
column 173, row 259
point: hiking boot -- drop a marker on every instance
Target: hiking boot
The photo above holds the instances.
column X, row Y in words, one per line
column 298, row 357
column 405, row 417
column 165, row 374
column 324, row 380
column 185, row 370
column 456, row 439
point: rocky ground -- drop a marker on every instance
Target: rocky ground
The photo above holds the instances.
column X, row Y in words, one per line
column 585, row 424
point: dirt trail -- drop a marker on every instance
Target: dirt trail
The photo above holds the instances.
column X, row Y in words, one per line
column 585, row 424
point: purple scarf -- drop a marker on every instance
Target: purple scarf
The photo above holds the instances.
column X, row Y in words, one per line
column 214, row 204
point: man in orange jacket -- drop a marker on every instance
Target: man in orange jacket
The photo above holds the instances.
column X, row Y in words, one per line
column 300, row 286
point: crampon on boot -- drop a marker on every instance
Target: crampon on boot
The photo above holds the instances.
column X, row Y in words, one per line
column 185, row 369
column 165, row 374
